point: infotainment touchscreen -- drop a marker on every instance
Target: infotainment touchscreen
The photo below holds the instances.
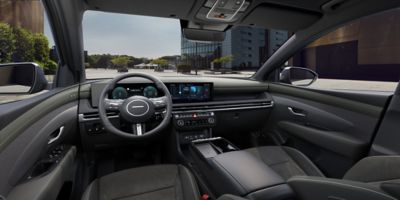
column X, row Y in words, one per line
column 189, row 92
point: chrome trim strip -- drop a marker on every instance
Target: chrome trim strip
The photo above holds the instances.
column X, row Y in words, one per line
column 225, row 109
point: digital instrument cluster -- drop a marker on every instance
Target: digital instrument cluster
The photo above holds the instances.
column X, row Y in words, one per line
column 126, row 91
column 180, row 92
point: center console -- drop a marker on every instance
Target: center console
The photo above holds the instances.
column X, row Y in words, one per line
column 228, row 170
column 194, row 125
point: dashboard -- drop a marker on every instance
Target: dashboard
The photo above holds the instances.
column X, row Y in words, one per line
column 227, row 105
column 180, row 92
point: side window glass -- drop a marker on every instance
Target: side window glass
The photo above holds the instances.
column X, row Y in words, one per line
column 361, row 55
column 25, row 36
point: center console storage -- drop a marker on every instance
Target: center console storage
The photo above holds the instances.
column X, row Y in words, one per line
column 230, row 171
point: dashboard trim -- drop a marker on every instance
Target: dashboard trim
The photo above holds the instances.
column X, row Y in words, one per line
column 226, row 109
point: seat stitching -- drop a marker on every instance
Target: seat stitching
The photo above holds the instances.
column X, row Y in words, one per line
column 155, row 190
column 191, row 182
column 175, row 183
column 98, row 189
column 278, row 163
column 297, row 165
column 312, row 164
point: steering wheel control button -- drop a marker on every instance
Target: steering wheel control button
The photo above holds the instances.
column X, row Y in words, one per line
column 137, row 109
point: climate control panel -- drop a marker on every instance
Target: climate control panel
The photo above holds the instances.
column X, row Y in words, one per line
column 194, row 120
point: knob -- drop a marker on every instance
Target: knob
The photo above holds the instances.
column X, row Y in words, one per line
column 211, row 120
column 180, row 122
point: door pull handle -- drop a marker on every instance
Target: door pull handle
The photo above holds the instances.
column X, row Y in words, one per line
column 56, row 136
column 300, row 114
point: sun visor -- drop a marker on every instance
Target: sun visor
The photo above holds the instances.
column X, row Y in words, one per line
column 282, row 18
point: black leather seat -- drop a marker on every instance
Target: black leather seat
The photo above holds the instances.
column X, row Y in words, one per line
column 374, row 177
column 286, row 161
column 167, row 182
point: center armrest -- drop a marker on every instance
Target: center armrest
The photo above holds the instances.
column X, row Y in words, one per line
column 230, row 171
column 245, row 172
column 242, row 174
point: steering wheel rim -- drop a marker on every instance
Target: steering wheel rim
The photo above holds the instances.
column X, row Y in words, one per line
column 111, row 128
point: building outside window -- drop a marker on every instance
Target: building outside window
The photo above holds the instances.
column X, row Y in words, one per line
column 249, row 47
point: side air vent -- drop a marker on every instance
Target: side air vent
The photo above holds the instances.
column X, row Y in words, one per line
column 95, row 116
column 223, row 106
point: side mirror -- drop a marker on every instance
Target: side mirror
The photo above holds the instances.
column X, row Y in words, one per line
column 298, row 76
column 21, row 78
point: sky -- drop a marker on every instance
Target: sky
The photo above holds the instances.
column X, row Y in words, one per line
column 133, row 35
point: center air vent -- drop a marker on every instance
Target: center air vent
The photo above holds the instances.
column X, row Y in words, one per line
column 223, row 106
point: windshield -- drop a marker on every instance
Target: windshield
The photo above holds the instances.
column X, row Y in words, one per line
column 119, row 43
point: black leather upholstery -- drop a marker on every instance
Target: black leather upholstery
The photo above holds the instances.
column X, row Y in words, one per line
column 374, row 177
column 245, row 173
column 286, row 161
column 167, row 182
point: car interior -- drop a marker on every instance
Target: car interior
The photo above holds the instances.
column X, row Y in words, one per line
column 140, row 136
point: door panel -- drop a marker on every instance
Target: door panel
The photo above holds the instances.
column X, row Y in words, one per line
column 335, row 130
column 26, row 143
column 387, row 138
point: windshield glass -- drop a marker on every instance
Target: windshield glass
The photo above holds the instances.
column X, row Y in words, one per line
column 119, row 43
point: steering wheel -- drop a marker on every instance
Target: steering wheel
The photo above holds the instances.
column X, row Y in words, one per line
column 136, row 110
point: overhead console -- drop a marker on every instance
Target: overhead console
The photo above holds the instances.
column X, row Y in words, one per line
column 223, row 10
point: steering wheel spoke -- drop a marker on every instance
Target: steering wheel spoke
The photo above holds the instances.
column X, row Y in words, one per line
column 139, row 129
column 159, row 102
column 113, row 104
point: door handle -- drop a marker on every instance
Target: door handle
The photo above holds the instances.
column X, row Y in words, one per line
column 297, row 113
column 55, row 136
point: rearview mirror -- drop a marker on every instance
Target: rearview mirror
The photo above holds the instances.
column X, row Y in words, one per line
column 298, row 76
column 21, row 78
column 203, row 35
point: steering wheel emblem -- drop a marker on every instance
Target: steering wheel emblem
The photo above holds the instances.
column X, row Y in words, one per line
column 137, row 107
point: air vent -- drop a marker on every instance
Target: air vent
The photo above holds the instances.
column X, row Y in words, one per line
column 95, row 116
column 222, row 106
